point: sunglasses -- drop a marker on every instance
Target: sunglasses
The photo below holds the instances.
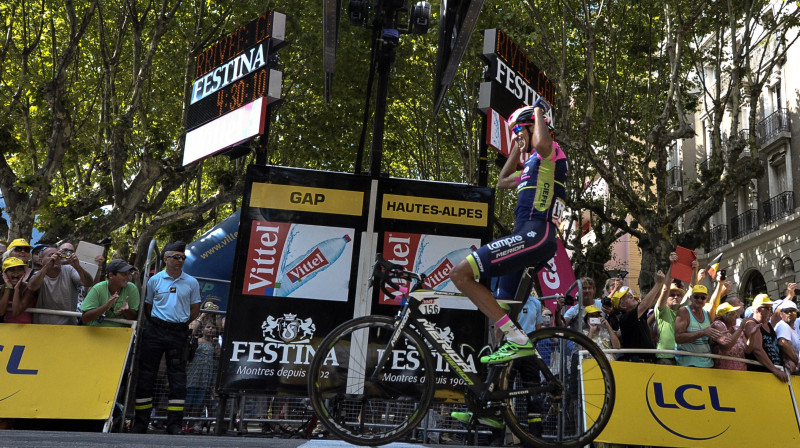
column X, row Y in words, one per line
column 518, row 128
column 789, row 311
column 547, row 315
column 696, row 296
column 177, row 257
column 21, row 249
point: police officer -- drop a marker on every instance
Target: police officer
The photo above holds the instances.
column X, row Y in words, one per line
column 172, row 300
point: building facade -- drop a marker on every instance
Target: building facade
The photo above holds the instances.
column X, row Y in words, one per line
column 758, row 227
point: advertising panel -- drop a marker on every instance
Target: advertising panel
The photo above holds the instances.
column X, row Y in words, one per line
column 429, row 227
column 43, row 379
column 693, row 407
column 294, row 274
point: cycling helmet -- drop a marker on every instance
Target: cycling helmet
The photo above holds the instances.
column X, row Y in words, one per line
column 522, row 116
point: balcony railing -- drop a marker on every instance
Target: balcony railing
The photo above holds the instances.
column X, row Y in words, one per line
column 674, row 178
column 770, row 128
column 743, row 224
column 778, row 207
column 718, row 236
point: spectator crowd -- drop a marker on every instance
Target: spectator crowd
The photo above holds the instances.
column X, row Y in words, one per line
column 678, row 324
column 51, row 278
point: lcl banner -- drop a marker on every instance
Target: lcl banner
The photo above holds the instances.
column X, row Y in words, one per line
column 297, row 251
column 692, row 407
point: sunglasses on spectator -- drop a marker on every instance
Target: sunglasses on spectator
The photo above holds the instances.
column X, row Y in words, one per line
column 177, row 257
column 675, row 294
column 21, row 249
column 548, row 315
column 699, row 296
column 790, row 311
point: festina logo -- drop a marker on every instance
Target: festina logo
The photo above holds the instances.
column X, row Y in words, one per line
column 240, row 66
column 313, row 262
column 272, row 352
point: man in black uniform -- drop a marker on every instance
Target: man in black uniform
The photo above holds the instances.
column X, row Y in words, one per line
column 172, row 300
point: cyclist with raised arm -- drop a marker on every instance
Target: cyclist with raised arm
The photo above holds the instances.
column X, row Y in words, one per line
column 539, row 185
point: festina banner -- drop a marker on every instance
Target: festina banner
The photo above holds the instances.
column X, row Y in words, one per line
column 297, row 251
column 513, row 79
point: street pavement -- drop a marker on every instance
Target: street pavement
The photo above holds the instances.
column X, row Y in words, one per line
column 61, row 439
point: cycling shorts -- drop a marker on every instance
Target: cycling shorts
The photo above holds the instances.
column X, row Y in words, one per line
column 531, row 243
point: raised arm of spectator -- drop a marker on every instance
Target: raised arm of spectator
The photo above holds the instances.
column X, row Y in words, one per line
column 720, row 290
column 754, row 346
column 38, row 278
column 650, row 298
column 86, row 280
column 699, row 275
column 662, row 298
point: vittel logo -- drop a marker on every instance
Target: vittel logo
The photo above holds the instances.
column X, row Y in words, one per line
column 263, row 255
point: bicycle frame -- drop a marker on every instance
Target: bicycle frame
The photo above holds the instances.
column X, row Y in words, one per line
column 412, row 317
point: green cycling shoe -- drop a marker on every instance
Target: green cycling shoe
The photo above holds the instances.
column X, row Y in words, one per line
column 508, row 351
column 464, row 417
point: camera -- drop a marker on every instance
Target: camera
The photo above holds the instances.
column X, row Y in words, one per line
column 569, row 300
column 607, row 302
column 594, row 320
column 621, row 276
column 722, row 275
column 65, row 253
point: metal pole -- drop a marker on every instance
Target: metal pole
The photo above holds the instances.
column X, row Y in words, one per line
column 389, row 41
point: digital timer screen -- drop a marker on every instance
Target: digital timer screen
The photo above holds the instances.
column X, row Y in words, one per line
column 231, row 97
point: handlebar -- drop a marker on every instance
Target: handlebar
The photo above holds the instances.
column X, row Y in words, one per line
column 384, row 273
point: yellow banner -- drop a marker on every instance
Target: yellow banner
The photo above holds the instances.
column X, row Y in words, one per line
column 444, row 211
column 675, row 406
column 307, row 199
column 60, row 371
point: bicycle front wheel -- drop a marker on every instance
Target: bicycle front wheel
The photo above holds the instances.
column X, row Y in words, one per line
column 576, row 405
column 360, row 404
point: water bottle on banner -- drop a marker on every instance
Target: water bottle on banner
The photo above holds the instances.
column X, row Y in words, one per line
column 437, row 276
column 302, row 269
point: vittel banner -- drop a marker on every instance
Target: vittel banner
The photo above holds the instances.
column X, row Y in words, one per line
column 433, row 255
column 283, row 259
column 294, row 278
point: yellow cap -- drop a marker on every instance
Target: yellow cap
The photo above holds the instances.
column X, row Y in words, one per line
column 762, row 300
column 19, row 242
column 591, row 309
column 12, row 262
column 617, row 297
column 726, row 308
column 699, row 289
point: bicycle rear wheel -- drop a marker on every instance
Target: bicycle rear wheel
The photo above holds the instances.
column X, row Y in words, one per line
column 360, row 405
column 580, row 404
